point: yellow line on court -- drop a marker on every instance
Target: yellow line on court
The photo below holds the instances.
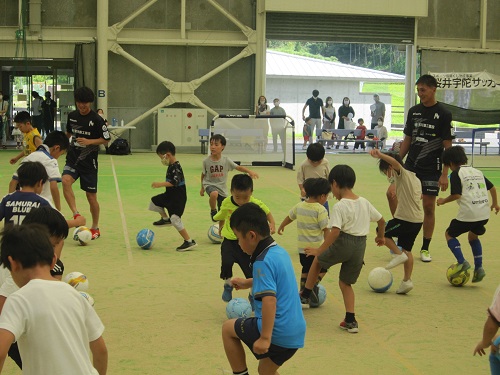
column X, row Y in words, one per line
column 122, row 215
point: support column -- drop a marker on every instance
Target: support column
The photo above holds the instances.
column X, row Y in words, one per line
column 260, row 53
column 102, row 55
column 410, row 73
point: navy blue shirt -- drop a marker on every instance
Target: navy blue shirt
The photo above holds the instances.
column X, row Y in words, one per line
column 15, row 206
column 314, row 107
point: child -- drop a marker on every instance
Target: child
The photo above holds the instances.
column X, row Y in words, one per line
column 489, row 331
column 408, row 216
column 345, row 243
column 174, row 198
column 18, row 136
column 215, row 172
column 32, row 138
column 231, row 252
column 54, row 145
column 469, row 188
column 307, row 132
column 381, row 133
column 14, row 206
column 362, row 128
column 53, row 325
column 278, row 329
column 312, row 223
column 313, row 167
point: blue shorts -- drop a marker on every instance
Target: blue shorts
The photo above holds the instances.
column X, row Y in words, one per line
column 248, row 332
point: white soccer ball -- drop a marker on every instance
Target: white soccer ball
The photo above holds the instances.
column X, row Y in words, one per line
column 77, row 280
column 83, row 235
column 213, row 233
column 380, row 279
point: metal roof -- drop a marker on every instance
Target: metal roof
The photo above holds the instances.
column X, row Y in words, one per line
column 280, row 64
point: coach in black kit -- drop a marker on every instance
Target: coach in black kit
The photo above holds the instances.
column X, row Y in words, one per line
column 88, row 132
column 428, row 131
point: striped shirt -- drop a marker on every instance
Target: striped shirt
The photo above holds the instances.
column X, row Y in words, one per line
column 312, row 219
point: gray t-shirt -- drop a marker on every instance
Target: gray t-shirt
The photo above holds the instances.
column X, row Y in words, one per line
column 378, row 111
column 278, row 111
column 216, row 173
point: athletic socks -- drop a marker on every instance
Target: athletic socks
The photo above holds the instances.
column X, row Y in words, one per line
column 425, row 244
column 456, row 249
column 244, row 372
column 477, row 251
column 350, row 317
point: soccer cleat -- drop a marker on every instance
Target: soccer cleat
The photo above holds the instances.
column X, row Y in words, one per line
column 461, row 267
column 425, row 256
column 479, row 275
column 212, row 214
column 313, row 298
column 349, row 327
column 227, row 294
column 396, row 261
column 96, row 233
column 187, row 246
column 405, row 287
column 163, row 222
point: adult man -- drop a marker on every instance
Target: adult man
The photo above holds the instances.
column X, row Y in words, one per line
column 49, row 109
column 315, row 104
column 36, row 114
column 89, row 132
column 377, row 110
column 427, row 131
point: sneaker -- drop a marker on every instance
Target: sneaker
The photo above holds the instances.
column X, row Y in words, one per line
column 396, row 261
column 313, row 298
column 162, row 222
column 405, row 287
column 461, row 267
column 349, row 327
column 250, row 299
column 96, row 233
column 187, row 246
column 479, row 275
column 212, row 214
column 425, row 256
column 227, row 294
column 303, row 300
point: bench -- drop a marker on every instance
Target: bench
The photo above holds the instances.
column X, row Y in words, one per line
column 204, row 138
column 465, row 138
column 341, row 133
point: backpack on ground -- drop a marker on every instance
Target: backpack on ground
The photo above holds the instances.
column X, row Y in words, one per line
column 119, row 146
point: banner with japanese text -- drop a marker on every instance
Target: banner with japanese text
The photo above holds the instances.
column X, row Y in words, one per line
column 467, row 81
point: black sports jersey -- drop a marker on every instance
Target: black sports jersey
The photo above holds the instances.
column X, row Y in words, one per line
column 15, row 206
column 427, row 127
column 90, row 126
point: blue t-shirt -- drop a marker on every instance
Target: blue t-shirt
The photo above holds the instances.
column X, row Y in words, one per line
column 273, row 275
column 15, row 206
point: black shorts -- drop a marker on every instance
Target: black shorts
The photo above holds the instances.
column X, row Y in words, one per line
column 231, row 253
column 405, row 231
column 58, row 269
column 174, row 204
column 430, row 185
column 248, row 332
column 458, row 227
column 306, row 262
column 88, row 180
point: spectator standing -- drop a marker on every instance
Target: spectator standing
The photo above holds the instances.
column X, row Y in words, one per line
column 344, row 111
column 277, row 125
column 377, row 110
column 36, row 113
column 316, row 110
column 49, row 109
column 329, row 118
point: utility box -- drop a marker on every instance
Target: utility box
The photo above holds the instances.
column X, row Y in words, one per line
column 180, row 125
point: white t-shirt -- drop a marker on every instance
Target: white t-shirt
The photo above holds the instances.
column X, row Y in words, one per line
column 53, row 325
column 409, row 193
column 42, row 155
column 353, row 216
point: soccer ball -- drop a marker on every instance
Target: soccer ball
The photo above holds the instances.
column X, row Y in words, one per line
column 213, row 234
column 88, row 297
column 83, row 235
column 238, row 308
column 458, row 280
column 145, row 239
column 77, row 280
column 380, row 279
column 321, row 296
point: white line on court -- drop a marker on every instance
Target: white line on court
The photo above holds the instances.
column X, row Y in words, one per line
column 122, row 215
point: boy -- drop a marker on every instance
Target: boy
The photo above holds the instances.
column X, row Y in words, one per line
column 350, row 224
column 362, row 128
column 32, row 138
column 313, row 167
column 278, row 329
column 215, row 172
column 307, row 132
column 14, row 206
column 88, row 132
column 469, row 188
column 174, row 198
column 312, row 223
column 231, row 252
column 53, row 325
column 408, row 217
column 54, row 145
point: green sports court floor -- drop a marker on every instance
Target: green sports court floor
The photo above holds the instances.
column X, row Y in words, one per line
column 163, row 310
